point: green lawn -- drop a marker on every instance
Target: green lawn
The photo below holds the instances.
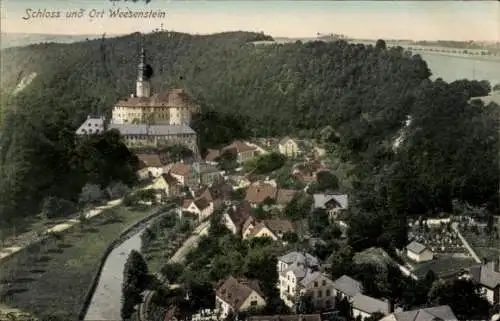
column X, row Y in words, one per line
column 54, row 278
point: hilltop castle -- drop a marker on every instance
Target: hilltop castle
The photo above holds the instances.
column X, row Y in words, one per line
column 150, row 120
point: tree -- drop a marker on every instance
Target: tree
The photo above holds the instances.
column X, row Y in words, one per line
column 463, row 297
column 172, row 271
column 341, row 262
column 380, row 44
column 326, row 181
column 91, row 194
column 135, row 278
column 290, row 237
column 117, row 190
column 53, row 207
column 317, row 221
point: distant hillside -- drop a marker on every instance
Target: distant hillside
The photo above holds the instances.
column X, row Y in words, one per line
column 23, row 39
column 354, row 98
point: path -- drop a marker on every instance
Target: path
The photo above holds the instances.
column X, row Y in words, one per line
column 10, row 250
column 190, row 243
column 469, row 248
column 178, row 257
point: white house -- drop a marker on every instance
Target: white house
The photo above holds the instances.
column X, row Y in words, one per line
column 488, row 277
column 442, row 312
column 235, row 216
column 273, row 228
column 346, row 287
column 364, row 306
column 150, row 166
column 300, row 258
column 418, row 252
column 93, row 125
column 332, row 203
column 202, row 207
column 298, row 276
column 237, row 295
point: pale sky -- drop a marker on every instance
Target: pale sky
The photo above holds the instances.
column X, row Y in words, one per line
column 418, row 20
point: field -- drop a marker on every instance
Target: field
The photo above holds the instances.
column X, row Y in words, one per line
column 443, row 266
column 52, row 278
column 486, row 245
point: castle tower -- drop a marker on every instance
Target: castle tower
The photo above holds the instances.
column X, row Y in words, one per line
column 144, row 73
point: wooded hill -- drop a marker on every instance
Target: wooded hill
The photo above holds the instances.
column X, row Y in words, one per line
column 354, row 97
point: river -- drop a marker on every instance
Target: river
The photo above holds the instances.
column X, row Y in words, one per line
column 106, row 301
column 451, row 68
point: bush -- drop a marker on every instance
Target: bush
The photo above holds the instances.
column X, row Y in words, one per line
column 53, row 207
column 172, row 271
column 91, row 194
column 117, row 190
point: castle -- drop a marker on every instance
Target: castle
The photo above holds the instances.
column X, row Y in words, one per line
column 147, row 119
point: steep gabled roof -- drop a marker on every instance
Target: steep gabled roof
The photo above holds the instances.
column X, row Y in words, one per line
column 347, row 285
column 370, row 305
column 439, row 313
column 235, row 291
column 415, row 247
column 150, row 160
column 259, row 192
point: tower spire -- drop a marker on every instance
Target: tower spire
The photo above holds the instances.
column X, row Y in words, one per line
column 144, row 73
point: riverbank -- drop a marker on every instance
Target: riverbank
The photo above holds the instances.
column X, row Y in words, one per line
column 53, row 278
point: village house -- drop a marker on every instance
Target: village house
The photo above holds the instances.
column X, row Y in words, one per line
column 150, row 166
column 207, row 173
column 201, row 207
column 221, row 193
column 488, row 277
column 299, row 258
column 292, row 147
column 418, row 252
column 288, row 317
column 442, row 312
column 299, row 276
column 346, row 287
column 273, row 228
column 167, row 185
column 332, row 203
column 237, row 295
column 363, row 306
column 91, row 126
column 185, row 174
column 307, row 172
column 235, row 217
column 256, row 194
column 242, row 152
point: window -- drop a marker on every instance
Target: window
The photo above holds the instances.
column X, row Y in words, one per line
column 253, row 303
column 320, row 294
column 328, row 293
column 315, row 284
column 323, row 283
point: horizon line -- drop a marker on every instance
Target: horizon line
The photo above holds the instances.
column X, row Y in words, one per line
column 214, row 33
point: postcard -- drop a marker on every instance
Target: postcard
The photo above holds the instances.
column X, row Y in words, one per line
column 249, row 160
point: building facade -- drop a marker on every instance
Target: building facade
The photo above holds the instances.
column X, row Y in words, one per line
column 147, row 119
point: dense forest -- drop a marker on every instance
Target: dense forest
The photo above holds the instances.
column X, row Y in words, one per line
column 355, row 98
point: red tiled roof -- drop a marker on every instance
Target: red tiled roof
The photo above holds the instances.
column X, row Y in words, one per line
column 171, row 98
column 180, row 169
column 150, row 160
column 236, row 291
column 258, row 193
